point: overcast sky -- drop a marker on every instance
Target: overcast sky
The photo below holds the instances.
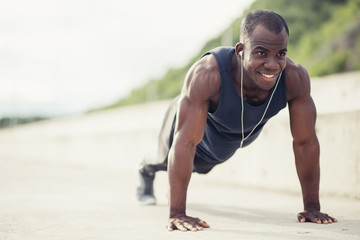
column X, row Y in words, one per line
column 61, row 57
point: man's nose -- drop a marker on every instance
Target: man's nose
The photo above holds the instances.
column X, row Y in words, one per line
column 271, row 63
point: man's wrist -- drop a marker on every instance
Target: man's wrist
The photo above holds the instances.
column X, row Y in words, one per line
column 310, row 207
column 174, row 212
column 312, row 201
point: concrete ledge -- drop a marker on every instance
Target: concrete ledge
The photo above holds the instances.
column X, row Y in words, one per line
column 105, row 138
column 269, row 161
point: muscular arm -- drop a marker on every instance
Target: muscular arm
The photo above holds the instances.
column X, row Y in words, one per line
column 201, row 83
column 306, row 146
column 306, row 149
column 188, row 133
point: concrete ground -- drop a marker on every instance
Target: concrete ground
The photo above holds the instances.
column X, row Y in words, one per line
column 64, row 201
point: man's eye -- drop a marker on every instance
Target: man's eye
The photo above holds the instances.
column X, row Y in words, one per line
column 282, row 54
column 261, row 53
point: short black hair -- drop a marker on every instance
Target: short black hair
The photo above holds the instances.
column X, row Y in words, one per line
column 269, row 19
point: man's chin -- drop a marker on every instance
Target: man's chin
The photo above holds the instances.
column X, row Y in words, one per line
column 267, row 83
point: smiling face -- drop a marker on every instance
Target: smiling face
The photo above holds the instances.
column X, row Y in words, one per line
column 264, row 57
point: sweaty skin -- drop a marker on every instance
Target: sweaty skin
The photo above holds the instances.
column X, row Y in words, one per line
column 264, row 57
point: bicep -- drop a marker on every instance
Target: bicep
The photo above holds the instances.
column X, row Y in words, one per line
column 191, row 121
column 302, row 119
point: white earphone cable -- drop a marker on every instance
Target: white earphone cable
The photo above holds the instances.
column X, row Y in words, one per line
column 242, row 105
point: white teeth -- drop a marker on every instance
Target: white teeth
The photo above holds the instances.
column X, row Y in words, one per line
column 268, row 76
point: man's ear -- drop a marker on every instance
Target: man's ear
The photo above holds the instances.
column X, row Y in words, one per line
column 239, row 47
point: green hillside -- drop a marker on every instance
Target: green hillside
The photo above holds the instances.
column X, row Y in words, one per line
column 324, row 37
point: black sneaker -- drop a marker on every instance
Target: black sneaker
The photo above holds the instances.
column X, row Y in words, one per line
column 145, row 189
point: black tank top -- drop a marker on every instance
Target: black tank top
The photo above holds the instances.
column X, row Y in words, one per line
column 223, row 134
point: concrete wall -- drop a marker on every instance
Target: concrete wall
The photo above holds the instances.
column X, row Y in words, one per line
column 269, row 162
column 126, row 134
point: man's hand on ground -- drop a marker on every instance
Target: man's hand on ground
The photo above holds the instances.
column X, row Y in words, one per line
column 315, row 216
column 185, row 223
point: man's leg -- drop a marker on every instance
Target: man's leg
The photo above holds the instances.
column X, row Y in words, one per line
column 202, row 166
column 149, row 166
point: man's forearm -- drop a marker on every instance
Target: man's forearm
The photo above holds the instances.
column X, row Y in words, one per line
column 179, row 169
column 308, row 169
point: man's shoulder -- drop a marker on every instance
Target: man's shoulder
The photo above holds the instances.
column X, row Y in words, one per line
column 204, row 71
column 206, row 64
column 203, row 77
column 294, row 70
column 297, row 79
